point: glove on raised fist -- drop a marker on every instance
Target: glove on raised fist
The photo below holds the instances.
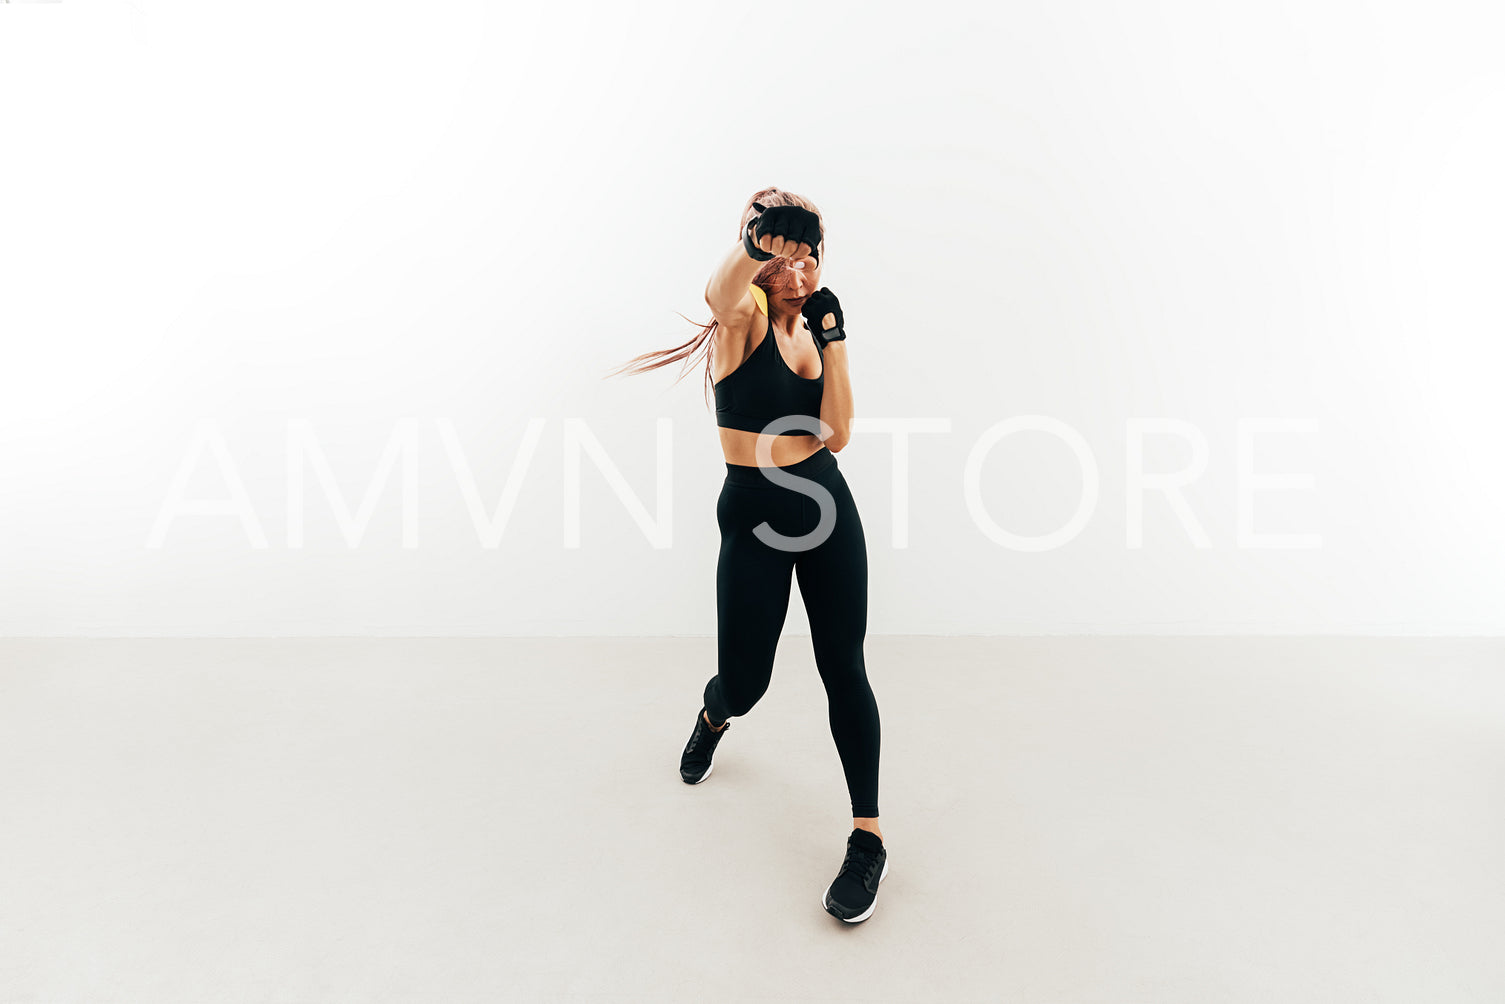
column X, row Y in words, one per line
column 817, row 305
column 796, row 224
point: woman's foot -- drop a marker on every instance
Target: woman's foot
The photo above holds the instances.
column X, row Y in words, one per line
column 695, row 763
column 854, row 893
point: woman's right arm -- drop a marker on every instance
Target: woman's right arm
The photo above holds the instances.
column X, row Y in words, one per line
column 727, row 293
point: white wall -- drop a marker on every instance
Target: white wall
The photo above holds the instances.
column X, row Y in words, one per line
column 378, row 221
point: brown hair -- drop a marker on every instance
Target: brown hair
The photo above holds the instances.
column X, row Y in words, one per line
column 765, row 280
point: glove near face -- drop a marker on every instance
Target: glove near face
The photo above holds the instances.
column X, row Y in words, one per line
column 817, row 306
column 793, row 223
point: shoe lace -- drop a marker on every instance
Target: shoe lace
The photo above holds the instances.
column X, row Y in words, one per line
column 861, row 862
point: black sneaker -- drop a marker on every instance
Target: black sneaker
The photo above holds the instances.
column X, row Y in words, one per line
column 855, row 892
column 695, row 763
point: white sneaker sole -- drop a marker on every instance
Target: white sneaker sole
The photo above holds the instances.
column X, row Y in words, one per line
column 865, row 914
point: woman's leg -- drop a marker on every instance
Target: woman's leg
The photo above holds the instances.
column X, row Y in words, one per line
column 833, row 585
column 752, row 596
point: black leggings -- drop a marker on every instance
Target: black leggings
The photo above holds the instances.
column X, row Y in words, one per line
column 752, row 597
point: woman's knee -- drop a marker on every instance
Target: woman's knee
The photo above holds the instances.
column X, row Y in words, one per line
column 733, row 696
column 842, row 669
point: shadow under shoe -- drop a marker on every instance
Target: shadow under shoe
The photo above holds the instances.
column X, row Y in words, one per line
column 854, row 893
column 695, row 763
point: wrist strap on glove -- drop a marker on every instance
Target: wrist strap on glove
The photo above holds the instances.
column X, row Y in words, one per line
column 816, row 307
column 753, row 251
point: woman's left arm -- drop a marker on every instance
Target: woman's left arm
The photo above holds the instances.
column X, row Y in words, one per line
column 836, row 396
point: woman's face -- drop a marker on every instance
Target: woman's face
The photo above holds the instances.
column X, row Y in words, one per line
column 794, row 281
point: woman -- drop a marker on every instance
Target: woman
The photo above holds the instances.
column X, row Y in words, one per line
column 783, row 409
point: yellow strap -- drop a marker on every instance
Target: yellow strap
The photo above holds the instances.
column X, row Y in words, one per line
column 760, row 296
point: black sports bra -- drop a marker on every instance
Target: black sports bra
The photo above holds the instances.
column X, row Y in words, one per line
column 764, row 388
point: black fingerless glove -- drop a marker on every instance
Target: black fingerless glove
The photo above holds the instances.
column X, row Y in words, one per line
column 793, row 223
column 817, row 305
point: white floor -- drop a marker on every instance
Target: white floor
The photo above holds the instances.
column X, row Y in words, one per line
column 1069, row 820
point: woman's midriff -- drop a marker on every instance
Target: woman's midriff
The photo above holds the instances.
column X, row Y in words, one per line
column 740, row 447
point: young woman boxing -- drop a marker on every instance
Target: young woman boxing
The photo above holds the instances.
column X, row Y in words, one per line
column 776, row 357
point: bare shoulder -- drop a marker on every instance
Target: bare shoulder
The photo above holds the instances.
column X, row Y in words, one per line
column 735, row 330
column 739, row 316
